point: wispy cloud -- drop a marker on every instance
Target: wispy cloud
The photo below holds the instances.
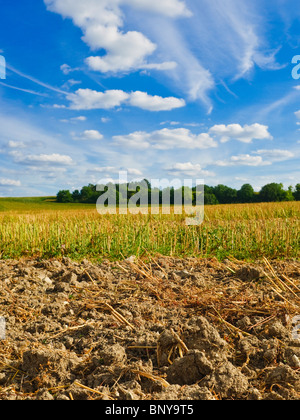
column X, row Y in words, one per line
column 34, row 80
column 32, row 92
column 233, row 36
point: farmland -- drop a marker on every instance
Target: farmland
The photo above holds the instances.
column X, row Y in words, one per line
column 40, row 227
column 144, row 307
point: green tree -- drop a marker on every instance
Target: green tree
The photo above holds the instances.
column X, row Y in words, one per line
column 64, row 196
column 296, row 193
column 89, row 194
column 272, row 192
column 210, row 199
column 76, row 196
column 224, row 194
column 246, row 194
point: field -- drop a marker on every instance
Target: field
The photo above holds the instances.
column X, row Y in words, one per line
column 43, row 228
column 143, row 307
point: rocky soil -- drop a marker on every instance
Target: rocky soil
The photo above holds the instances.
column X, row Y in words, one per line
column 159, row 329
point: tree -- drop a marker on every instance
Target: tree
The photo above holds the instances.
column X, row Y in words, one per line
column 209, row 196
column 272, row 192
column 246, row 194
column 76, row 196
column 210, row 199
column 225, row 195
column 64, row 196
column 297, row 192
column 289, row 196
column 89, row 194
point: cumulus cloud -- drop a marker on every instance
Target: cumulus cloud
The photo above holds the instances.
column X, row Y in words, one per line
column 243, row 160
column 87, row 99
column 244, row 134
column 90, row 135
column 16, row 144
column 165, row 139
column 276, row 155
column 155, row 103
column 4, row 182
column 188, row 169
column 115, row 170
column 54, row 159
column 137, row 140
column 101, row 22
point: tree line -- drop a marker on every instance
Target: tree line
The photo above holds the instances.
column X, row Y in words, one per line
column 221, row 194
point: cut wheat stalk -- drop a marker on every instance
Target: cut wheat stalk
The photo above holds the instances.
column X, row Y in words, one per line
column 153, row 378
column 291, row 282
column 283, row 286
column 94, row 391
column 118, row 316
column 230, row 326
column 69, row 329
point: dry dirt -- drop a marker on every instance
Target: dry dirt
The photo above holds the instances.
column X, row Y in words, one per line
column 160, row 329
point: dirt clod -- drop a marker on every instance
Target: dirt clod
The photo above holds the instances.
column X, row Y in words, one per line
column 169, row 328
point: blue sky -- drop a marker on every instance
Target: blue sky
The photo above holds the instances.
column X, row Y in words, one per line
column 163, row 89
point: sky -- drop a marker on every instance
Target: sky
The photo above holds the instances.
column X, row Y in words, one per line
column 162, row 89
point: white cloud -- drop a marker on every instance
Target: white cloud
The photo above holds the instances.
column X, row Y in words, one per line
column 170, row 8
column 276, row 155
column 135, row 172
column 297, row 113
column 115, row 170
column 16, row 144
column 90, row 135
column 167, row 65
column 244, row 134
column 74, row 119
column 243, row 160
column 236, row 34
column 87, row 99
column 155, row 103
column 190, row 76
column 165, row 139
column 105, row 169
column 101, row 22
column 4, row 182
column 80, row 118
column 126, row 52
column 65, row 68
column 54, row 158
column 137, row 140
column 188, row 169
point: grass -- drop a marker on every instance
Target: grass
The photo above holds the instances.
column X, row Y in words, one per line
column 40, row 227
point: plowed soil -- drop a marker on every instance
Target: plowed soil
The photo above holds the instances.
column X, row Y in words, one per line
column 159, row 329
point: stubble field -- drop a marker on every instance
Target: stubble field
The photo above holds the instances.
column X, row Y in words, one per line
column 144, row 307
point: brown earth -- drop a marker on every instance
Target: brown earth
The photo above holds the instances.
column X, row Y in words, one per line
column 161, row 329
